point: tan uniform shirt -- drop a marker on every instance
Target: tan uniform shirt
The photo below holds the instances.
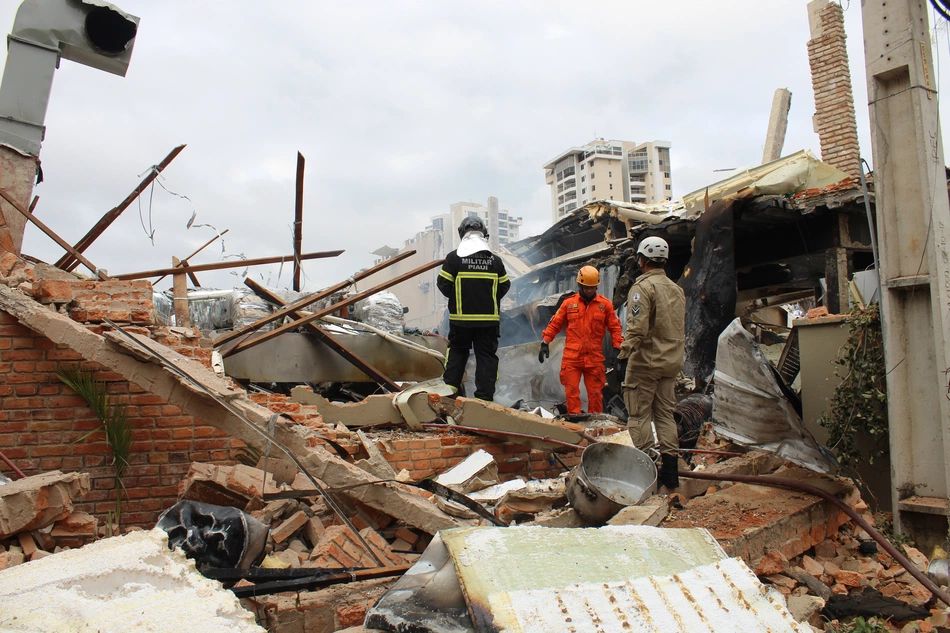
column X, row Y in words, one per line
column 654, row 342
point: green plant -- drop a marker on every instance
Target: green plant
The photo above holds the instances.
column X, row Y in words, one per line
column 857, row 625
column 859, row 404
column 884, row 523
column 115, row 423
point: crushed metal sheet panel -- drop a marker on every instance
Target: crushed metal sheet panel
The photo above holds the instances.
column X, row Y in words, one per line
column 745, row 382
column 721, row 597
column 492, row 560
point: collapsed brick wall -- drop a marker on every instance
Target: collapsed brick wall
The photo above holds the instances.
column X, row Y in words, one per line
column 43, row 423
column 426, row 452
column 834, row 118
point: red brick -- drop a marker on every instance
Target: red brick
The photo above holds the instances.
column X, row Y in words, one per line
column 53, row 291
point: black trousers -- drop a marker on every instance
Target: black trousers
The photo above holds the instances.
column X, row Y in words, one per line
column 485, row 342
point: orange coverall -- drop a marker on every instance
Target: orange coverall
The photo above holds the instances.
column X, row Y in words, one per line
column 583, row 347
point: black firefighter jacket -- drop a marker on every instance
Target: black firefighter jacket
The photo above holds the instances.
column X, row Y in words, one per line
column 474, row 286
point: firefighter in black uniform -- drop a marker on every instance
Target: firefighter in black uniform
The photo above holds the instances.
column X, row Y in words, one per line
column 474, row 280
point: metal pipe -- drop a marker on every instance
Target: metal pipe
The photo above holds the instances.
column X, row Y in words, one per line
column 777, row 482
column 867, row 210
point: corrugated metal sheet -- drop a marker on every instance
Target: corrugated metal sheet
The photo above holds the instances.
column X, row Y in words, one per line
column 721, row 597
column 492, row 561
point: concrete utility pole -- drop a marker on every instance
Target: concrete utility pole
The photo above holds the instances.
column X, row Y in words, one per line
column 913, row 226
column 778, row 124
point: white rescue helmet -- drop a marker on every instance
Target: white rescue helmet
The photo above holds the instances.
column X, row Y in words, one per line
column 654, row 248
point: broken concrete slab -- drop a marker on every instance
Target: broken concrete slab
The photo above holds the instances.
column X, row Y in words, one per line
column 413, row 402
column 752, row 463
column 376, row 464
column 478, row 414
column 376, row 410
column 225, row 485
column 749, row 520
column 477, row 471
column 131, row 582
column 41, row 500
column 120, row 355
column 651, row 512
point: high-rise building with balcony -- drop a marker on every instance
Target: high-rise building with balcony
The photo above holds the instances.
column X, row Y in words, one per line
column 502, row 226
column 609, row 170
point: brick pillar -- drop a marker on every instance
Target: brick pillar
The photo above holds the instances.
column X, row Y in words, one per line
column 834, row 118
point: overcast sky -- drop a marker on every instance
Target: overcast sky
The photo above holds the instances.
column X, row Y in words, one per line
column 401, row 109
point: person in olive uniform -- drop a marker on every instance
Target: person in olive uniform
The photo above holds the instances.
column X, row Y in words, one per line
column 652, row 355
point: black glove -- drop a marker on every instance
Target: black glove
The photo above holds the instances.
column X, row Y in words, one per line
column 620, row 366
column 544, row 353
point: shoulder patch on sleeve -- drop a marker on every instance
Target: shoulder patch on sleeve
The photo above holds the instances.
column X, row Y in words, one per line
column 635, row 298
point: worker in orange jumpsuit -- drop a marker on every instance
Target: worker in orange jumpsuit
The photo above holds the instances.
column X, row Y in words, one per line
column 587, row 316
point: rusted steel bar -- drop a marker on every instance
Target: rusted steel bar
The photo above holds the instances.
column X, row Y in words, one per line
column 184, row 262
column 296, row 305
column 298, row 221
column 327, row 339
column 478, row 430
column 237, row 263
column 52, row 234
column 12, row 466
column 69, row 262
column 257, row 340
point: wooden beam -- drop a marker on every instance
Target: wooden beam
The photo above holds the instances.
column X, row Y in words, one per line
column 69, row 262
column 238, row 263
column 182, row 318
column 56, row 238
column 266, row 336
column 338, row 347
column 184, row 262
column 298, row 221
column 301, row 303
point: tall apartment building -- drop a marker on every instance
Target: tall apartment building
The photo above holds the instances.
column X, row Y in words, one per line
column 502, row 226
column 609, row 170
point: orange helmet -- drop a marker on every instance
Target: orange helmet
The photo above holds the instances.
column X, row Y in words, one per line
column 588, row 276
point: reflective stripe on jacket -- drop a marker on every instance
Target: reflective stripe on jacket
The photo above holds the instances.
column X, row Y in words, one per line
column 474, row 286
column 654, row 342
column 586, row 324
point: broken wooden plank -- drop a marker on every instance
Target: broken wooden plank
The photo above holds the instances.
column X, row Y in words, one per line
column 200, row 248
column 224, row 265
column 118, row 354
column 302, row 303
column 298, row 221
column 52, row 234
column 69, row 262
column 180, row 288
column 249, row 343
column 329, row 341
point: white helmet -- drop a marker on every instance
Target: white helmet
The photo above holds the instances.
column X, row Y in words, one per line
column 654, row 248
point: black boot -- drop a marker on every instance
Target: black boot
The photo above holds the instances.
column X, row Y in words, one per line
column 669, row 472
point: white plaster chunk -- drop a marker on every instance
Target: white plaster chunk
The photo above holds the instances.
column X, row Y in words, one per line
column 130, row 583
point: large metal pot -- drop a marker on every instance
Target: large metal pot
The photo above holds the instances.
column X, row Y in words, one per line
column 610, row 477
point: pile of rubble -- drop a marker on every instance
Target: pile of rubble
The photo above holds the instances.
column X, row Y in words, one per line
column 37, row 517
